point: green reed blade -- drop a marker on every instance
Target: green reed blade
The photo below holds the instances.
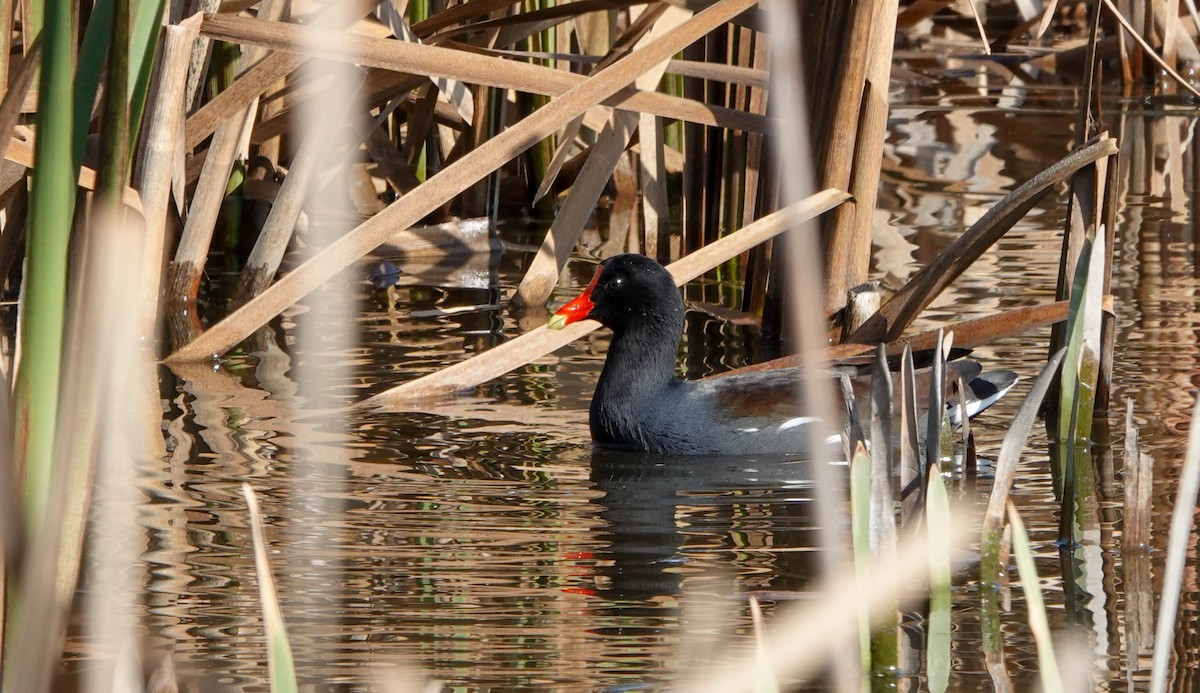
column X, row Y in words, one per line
column 860, row 530
column 52, row 204
column 92, row 53
column 147, row 18
column 937, row 523
column 36, row 392
column 993, row 519
column 884, row 653
column 279, row 650
column 1038, row 623
column 1083, row 345
column 113, row 162
column 1078, row 386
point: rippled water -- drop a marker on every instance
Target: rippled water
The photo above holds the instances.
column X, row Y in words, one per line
column 484, row 543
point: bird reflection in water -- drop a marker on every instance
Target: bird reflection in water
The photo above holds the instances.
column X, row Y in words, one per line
column 748, row 508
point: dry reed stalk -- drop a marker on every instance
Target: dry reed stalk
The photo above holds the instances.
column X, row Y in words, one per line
column 756, row 102
column 391, row 12
column 716, row 72
column 656, row 212
column 543, row 272
column 186, row 269
column 541, row 341
column 435, row 61
column 1084, row 217
column 392, row 165
column 1166, row 16
column 1136, row 521
column 566, row 140
column 968, row 334
column 864, row 301
column 14, row 96
column 20, row 151
column 692, row 197
column 294, row 193
column 759, row 259
column 198, row 63
column 1108, row 326
column 741, row 52
column 157, row 158
column 248, row 86
column 448, row 183
column 856, row 132
column 868, row 156
column 7, row 38
column 652, row 179
column 920, row 10
column 257, row 79
column 932, row 279
column 420, row 124
column 1149, row 51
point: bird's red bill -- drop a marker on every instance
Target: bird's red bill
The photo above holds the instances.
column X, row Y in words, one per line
column 578, row 309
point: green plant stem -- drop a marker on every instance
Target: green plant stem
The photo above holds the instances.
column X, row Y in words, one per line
column 52, row 204
column 114, row 152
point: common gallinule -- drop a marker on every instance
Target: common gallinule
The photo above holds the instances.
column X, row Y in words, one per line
column 641, row 404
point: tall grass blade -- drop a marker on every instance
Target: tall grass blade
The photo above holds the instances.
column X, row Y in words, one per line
column 1083, row 344
column 279, row 649
column 43, row 309
column 860, row 529
column 764, row 673
column 114, row 131
column 1078, row 390
column 937, row 406
column 113, row 416
column 912, row 480
column 993, row 518
column 883, row 517
column 93, row 51
column 808, row 635
column 938, row 523
column 1038, row 623
column 1178, row 546
column 143, row 45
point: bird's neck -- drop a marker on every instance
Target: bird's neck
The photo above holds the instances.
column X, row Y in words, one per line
column 641, row 361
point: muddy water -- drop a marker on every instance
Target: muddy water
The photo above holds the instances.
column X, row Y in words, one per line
column 482, row 542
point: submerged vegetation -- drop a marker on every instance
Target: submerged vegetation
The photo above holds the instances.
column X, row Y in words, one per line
column 289, row 141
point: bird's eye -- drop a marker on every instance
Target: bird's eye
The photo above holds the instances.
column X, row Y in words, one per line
column 616, row 283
